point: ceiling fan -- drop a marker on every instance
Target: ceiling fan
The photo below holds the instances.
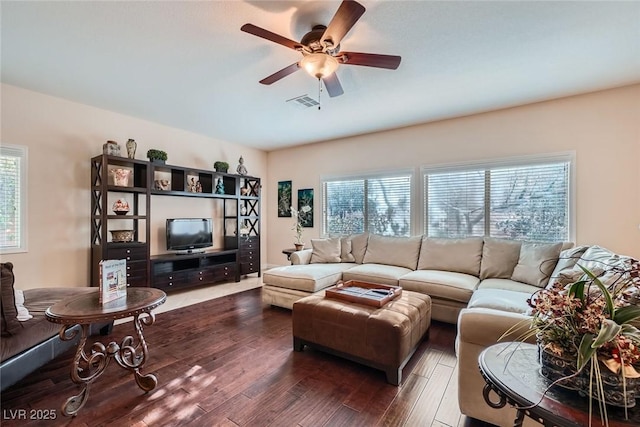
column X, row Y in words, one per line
column 320, row 48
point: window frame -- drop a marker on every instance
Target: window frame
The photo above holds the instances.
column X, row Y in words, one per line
column 22, row 153
column 520, row 161
column 368, row 175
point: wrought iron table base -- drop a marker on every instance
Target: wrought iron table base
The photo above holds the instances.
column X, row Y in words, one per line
column 87, row 367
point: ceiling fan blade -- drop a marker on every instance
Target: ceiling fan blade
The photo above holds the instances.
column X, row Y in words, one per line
column 390, row 62
column 334, row 88
column 266, row 34
column 280, row 74
column 346, row 16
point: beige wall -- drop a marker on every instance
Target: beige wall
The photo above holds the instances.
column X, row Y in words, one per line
column 61, row 137
column 603, row 129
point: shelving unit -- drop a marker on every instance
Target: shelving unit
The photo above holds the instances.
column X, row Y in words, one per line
column 104, row 192
column 241, row 219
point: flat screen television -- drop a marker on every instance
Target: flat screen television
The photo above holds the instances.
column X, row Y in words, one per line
column 188, row 235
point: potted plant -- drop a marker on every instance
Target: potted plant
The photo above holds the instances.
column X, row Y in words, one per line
column 297, row 225
column 157, row 156
column 585, row 326
column 221, row 166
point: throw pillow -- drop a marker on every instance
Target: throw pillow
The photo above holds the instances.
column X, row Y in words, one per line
column 536, row 263
column 345, row 250
column 23, row 313
column 325, row 250
column 10, row 323
column 499, row 258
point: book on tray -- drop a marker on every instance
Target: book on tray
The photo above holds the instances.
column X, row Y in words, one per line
column 113, row 280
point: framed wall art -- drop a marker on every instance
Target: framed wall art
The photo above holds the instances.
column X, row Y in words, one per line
column 305, row 206
column 284, row 199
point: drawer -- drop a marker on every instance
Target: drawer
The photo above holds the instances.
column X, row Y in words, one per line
column 250, row 243
column 168, row 280
column 138, row 281
column 249, row 267
column 131, row 253
column 249, row 256
column 137, row 267
column 202, row 276
column 226, row 272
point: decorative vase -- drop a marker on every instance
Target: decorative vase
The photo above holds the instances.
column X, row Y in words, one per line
column 299, row 246
column 111, row 148
column 563, row 370
column 131, row 148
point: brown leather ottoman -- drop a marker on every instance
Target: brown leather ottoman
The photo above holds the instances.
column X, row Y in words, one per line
column 384, row 338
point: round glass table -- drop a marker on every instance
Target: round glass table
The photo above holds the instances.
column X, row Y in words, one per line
column 132, row 353
column 512, row 372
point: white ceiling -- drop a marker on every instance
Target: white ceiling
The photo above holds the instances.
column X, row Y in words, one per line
column 188, row 65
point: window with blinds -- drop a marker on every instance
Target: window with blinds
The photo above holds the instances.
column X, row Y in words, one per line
column 12, row 201
column 376, row 204
column 523, row 202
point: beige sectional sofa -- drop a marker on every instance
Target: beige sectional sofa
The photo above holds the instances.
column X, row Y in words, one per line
column 448, row 270
column 482, row 284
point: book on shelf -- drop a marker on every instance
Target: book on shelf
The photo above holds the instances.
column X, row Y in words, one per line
column 113, row 280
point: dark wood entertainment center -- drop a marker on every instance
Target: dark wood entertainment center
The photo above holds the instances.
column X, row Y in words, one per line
column 241, row 222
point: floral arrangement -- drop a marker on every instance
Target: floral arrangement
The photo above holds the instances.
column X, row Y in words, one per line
column 589, row 319
column 298, row 217
column 588, row 316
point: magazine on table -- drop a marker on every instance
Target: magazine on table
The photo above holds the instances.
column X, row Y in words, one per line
column 113, row 280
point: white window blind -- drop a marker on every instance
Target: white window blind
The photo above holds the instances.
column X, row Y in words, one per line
column 523, row 202
column 13, row 196
column 377, row 204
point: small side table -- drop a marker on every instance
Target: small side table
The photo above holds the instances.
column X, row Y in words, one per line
column 87, row 366
column 512, row 372
column 288, row 252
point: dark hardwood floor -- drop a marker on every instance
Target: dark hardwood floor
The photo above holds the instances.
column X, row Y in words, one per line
column 229, row 362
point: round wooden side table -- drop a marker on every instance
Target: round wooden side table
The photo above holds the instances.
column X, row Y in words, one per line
column 88, row 365
column 512, row 372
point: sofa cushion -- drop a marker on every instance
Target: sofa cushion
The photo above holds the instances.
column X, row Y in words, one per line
column 375, row 273
column 398, row 251
column 457, row 255
column 508, row 285
column 306, row 277
column 10, row 323
column 325, row 250
column 441, row 284
column 536, row 263
column 500, row 299
column 499, row 258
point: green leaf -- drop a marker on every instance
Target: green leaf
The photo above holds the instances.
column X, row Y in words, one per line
column 608, row 331
column 603, row 288
column 630, row 331
column 586, row 350
column 577, row 289
column 627, row 314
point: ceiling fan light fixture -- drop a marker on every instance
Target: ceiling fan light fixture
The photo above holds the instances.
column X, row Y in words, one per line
column 319, row 65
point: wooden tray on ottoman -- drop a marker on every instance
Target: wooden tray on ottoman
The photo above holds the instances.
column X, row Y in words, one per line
column 374, row 294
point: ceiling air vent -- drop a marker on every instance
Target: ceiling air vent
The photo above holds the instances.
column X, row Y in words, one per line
column 303, row 101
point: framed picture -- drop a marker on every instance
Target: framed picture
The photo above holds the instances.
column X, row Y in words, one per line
column 305, row 207
column 284, row 199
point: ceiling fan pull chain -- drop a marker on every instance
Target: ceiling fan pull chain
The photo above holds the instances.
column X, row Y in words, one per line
column 319, row 92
